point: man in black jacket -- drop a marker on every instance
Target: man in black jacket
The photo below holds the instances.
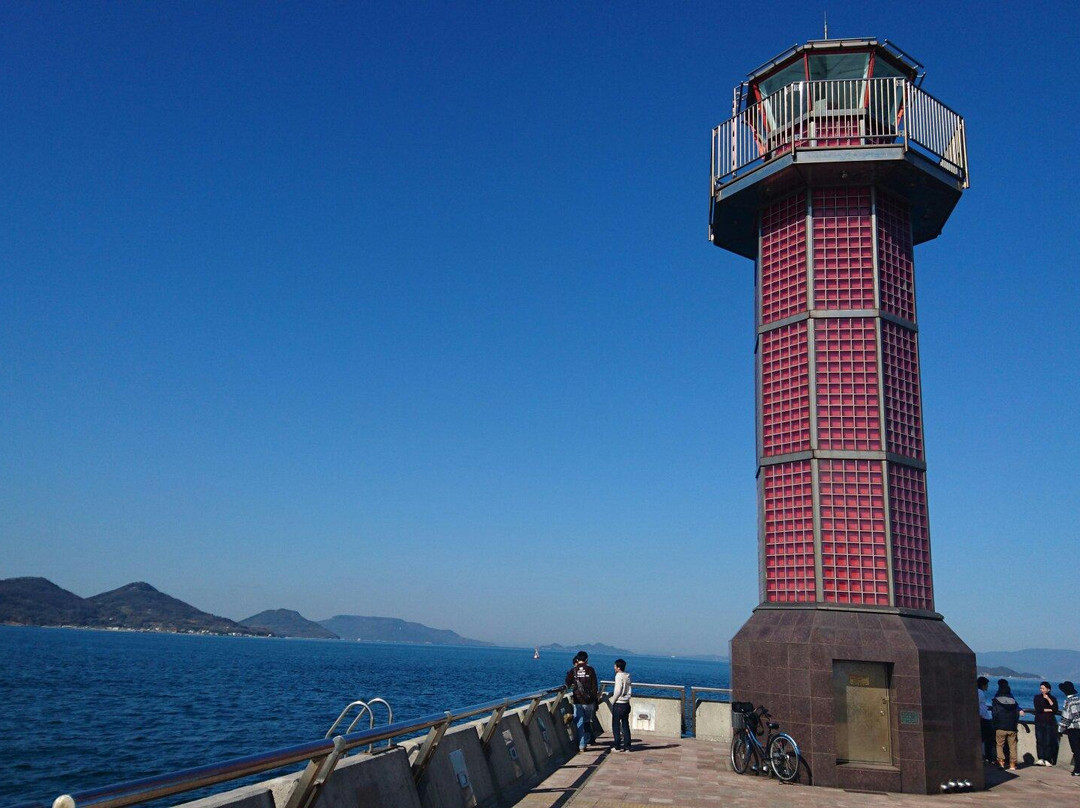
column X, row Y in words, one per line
column 1006, row 712
column 581, row 679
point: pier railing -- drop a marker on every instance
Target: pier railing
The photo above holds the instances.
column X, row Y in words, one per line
column 839, row 114
column 322, row 756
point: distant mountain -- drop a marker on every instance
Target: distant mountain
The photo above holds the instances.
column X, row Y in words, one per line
column 707, row 657
column 391, row 629
column 1054, row 664
column 40, row 602
column 287, row 623
column 140, row 606
column 588, row 648
column 1007, row 673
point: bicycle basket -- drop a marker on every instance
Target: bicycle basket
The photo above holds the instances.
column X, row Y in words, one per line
column 742, row 707
column 738, row 721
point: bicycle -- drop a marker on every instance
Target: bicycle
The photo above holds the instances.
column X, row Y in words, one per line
column 779, row 754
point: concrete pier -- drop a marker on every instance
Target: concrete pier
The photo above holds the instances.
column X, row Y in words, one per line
column 534, row 763
column 691, row 773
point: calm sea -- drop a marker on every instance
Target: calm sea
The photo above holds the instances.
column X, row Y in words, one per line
column 82, row 709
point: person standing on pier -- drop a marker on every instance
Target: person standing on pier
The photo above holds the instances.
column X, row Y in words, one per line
column 1046, row 731
column 582, row 680
column 1070, row 722
column 986, row 721
column 1006, row 712
column 620, row 708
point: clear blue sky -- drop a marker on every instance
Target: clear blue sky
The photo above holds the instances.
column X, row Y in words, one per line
column 408, row 310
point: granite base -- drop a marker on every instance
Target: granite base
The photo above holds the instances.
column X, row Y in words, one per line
column 783, row 657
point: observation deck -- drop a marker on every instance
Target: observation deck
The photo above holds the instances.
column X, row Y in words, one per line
column 691, row 773
column 867, row 121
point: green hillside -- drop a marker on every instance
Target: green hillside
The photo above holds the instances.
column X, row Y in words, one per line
column 288, row 623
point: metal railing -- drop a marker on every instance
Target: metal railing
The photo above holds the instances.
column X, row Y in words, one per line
column 724, row 691
column 849, row 113
column 322, row 756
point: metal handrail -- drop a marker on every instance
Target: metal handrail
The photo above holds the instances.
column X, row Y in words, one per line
column 389, row 718
column 145, row 789
column 605, row 682
column 681, row 688
column 389, row 709
column 646, row 684
column 846, row 113
column 363, row 709
column 694, row 690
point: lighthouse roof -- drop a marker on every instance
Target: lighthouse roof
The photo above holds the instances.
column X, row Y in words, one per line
column 832, row 50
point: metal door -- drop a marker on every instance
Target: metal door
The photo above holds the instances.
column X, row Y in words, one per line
column 861, row 702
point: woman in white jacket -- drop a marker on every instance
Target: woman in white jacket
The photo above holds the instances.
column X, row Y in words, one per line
column 620, row 708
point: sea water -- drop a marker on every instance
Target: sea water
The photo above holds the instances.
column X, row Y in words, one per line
column 81, row 709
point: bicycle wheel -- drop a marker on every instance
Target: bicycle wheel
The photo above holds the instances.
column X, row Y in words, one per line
column 784, row 758
column 740, row 754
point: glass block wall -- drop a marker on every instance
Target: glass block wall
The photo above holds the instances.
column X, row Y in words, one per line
column 840, row 447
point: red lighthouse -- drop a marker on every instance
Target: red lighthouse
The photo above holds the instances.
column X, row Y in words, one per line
column 834, row 165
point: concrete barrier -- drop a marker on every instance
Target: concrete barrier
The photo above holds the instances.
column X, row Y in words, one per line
column 657, row 716
column 461, row 773
column 1028, row 752
column 603, row 715
column 383, row 780
column 376, row 781
column 513, row 770
column 712, row 720
column 457, row 775
column 650, row 717
column 562, row 722
column 543, row 743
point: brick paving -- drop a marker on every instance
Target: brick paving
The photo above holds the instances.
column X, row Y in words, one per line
column 687, row 773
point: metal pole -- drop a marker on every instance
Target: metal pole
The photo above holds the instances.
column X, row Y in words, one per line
column 423, row 757
column 311, row 781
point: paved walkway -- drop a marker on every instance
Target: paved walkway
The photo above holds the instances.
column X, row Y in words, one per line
column 687, row 773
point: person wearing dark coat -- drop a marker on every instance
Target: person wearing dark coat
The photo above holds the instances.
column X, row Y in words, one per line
column 584, row 692
column 1046, row 729
column 1006, row 717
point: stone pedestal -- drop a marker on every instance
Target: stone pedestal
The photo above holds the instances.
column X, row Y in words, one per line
column 785, row 657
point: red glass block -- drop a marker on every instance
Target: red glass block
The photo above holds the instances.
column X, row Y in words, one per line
column 783, row 259
column 854, row 565
column 785, row 390
column 903, row 408
column 912, row 580
column 843, row 249
column 847, row 384
column 896, row 265
column 788, row 509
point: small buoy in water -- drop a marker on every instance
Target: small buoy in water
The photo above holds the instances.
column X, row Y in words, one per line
column 63, row 801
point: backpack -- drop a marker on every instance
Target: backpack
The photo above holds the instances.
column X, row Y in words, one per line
column 584, row 686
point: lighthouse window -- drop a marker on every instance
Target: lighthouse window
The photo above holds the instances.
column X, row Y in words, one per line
column 885, row 70
column 795, row 71
column 836, row 66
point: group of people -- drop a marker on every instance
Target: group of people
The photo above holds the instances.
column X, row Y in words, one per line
column 585, row 694
column 1000, row 719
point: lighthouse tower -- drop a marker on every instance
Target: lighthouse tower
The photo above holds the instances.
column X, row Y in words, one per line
column 835, row 164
